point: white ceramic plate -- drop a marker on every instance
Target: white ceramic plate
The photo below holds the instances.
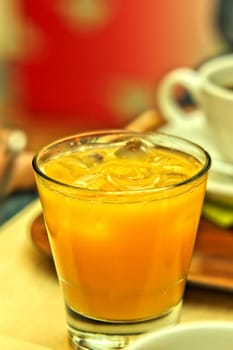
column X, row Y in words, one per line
column 220, row 182
column 191, row 336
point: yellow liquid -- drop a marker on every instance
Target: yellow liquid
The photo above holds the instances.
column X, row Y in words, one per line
column 122, row 257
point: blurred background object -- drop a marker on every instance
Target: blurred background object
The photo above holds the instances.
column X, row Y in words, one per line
column 225, row 22
column 85, row 64
column 73, row 65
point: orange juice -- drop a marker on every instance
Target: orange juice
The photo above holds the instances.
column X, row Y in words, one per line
column 122, row 219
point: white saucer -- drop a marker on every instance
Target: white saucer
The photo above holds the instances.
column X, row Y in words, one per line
column 195, row 129
column 208, row 335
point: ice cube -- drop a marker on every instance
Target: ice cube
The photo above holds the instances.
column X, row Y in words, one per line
column 91, row 160
column 94, row 182
column 134, row 149
column 170, row 179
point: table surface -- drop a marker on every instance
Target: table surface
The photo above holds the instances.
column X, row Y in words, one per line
column 31, row 306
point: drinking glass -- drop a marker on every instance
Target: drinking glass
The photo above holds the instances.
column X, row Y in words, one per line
column 121, row 211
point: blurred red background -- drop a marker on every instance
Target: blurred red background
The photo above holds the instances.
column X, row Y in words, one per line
column 96, row 63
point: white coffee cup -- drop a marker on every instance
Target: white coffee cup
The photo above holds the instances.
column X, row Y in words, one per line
column 209, row 86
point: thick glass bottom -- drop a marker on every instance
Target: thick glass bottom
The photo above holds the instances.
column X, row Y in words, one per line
column 86, row 333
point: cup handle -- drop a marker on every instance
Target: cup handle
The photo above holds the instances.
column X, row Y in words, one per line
column 166, row 102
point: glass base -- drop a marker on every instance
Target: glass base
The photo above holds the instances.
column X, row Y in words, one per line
column 89, row 334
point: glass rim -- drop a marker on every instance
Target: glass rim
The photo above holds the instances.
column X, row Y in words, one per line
column 205, row 166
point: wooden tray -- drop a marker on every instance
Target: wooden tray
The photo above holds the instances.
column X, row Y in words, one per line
column 212, row 263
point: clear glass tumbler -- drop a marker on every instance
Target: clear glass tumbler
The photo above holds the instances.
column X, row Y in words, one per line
column 121, row 211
